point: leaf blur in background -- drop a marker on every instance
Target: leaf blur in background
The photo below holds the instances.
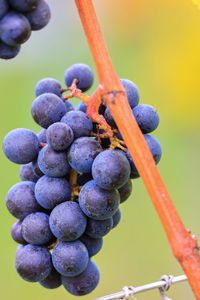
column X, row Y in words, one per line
column 155, row 44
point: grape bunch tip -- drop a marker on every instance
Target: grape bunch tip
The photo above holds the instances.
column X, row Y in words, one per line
column 72, row 181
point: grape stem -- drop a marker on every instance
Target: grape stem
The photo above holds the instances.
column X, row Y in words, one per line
column 112, row 94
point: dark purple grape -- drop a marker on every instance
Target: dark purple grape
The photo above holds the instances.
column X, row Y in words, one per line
column 8, row 52
column 42, row 136
column 67, row 221
column 47, row 109
column 146, row 117
column 36, row 230
column 33, row 263
column 52, row 163
column 52, row 281
column 50, row 192
column 98, row 228
column 26, row 173
column 40, row 16
column 84, row 283
column 21, row 146
column 59, row 136
column 82, row 154
column 132, row 92
column 97, row 203
column 48, row 85
column 70, row 258
column 3, row 8
column 81, row 72
column 20, row 199
column 93, row 245
column 23, row 5
column 79, row 122
column 14, row 29
column 110, row 169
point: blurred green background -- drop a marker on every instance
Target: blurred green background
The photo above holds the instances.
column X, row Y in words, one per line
column 156, row 44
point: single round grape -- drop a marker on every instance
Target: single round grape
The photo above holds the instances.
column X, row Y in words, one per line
column 33, row 263
column 146, row 117
column 20, row 199
column 81, row 72
column 79, row 122
column 59, row 136
column 52, row 163
column 36, row 230
column 50, row 192
column 3, row 8
column 125, row 191
column 67, row 221
column 26, row 173
column 47, row 109
column 40, row 16
column 132, row 92
column 36, row 169
column 116, row 218
column 109, row 118
column 23, row 5
column 70, row 258
column 156, row 151
column 42, row 136
column 84, row 283
column 48, row 85
column 97, row 203
column 93, row 245
column 110, row 169
column 14, row 29
column 69, row 106
column 52, row 281
column 8, row 52
column 98, row 228
column 82, row 154
column 16, row 233
column 21, row 146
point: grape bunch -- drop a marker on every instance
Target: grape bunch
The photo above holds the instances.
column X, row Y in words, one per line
column 18, row 18
column 73, row 181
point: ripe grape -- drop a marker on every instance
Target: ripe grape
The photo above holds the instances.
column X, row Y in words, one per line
column 20, row 199
column 97, row 203
column 116, row 218
column 67, row 221
column 82, row 154
column 59, row 136
column 14, row 29
column 93, row 245
column 98, row 228
column 3, row 8
column 36, row 230
column 81, row 72
column 110, row 169
column 48, row 85
column 125, row 191
column 132, row 92
column 26, row 173
column 146, row 117
column 40, row 16
column 16, row 233
column 84, row 283
column 79, row 122
column 33, row 263
column 52, row 281
column 21, row 146
column 8, row 52
column 70, row 258
column 47, row 109
column 52, row 163
column 50, row 192
column 23, row 5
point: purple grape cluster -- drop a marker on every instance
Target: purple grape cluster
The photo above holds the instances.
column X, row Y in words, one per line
column 72, row 184
column 18, row 18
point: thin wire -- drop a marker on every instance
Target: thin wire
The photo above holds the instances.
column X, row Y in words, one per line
column 143, row 288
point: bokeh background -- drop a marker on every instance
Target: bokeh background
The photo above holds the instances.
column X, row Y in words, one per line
column 157, row 45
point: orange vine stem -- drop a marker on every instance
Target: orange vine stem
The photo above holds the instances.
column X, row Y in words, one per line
column 111, row 92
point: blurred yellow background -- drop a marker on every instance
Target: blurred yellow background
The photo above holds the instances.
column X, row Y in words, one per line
column 157, row 45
